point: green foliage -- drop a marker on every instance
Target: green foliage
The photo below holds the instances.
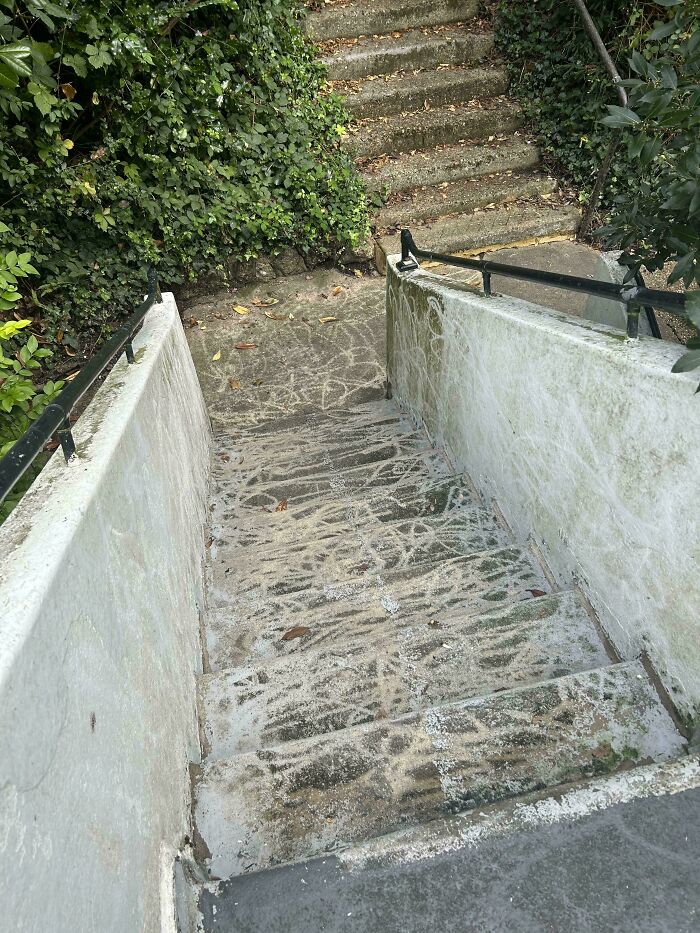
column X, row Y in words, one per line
column 21, row 400
column 658, row 220
column 561, row 84
column 181, row 134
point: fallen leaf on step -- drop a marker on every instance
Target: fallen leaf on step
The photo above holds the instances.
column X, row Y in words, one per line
column 281, row 506
column 358, row 273
column 217, row 356
column 264, row 302
column 245, row 346
column 338, row 290
column 234, row 383
column 327, row 320
column 258, row 382
column 537, row 592
column 297, row 632
column 275, row 317
column 241, row 309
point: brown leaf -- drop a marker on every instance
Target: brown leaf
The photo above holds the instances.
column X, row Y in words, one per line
column 245, row 346
column 338, row 290
column 234, row 383
column 537, row 592
column 297, row 632
column 264, row 302
column 327, row 320
column 241, row 309
column 281, row 506
column 69, row 91
column 276, row 317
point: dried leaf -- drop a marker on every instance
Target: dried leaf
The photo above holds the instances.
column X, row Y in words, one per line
column 338, row 290
column 264, row 302
column 258, row 382
column 68, row 90
column 234, row 383
column 276, row 317
column 245, row 346
column 297, row 632
column 72, row 376
column 358, row 273
column 217, row 356
column 537, row 592
column 327, row 320
column 281, row 506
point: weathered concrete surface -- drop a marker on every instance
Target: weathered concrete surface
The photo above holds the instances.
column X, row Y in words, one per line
column 622, row 853
column 451, row 163
column 371, row 18
column 280, row 374
column 587, row 440
column 428, row 128
column 311, row 796
column 100, row 593
column 413, row 49
column 395, row 94
column 416, row 664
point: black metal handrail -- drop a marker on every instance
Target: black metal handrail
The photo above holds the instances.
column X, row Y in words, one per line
column 634, row 296
column 54, row 421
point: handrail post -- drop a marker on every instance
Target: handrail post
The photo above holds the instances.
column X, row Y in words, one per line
column 407, row 263
column 66, row 440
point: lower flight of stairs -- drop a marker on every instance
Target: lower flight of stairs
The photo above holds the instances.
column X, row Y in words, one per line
column 380, row 653
column 435, row 136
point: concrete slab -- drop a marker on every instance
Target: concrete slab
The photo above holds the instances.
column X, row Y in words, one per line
column 632, row 866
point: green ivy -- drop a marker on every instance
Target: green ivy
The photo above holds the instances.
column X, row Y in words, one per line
column 182, row 134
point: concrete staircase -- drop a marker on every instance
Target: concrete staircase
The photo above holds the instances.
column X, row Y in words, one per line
column 381, row 653
column 435, row 133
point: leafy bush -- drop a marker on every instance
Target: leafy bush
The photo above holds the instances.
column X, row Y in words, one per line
column 658, row 219
column 175, row 133
column 21, row 400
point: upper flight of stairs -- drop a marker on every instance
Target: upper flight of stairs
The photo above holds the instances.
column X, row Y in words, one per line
column 435, row 133
column 381, row 653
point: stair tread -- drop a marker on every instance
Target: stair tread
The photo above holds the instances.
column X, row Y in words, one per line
column 412, row 666
column 243, row 626
column 369, row 17
column 314, row 795
column 412, row 49
column 422, row 204
column 287, row 561
column 451, row 163
column 426, row 129
column 399, row 93
column 503, row 226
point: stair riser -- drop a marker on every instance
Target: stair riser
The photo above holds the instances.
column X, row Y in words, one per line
column 304, row 798
column 491, row 229
column 410, row 96
column 449, row 165
column 365, row 20
column 413, row 667
column 397, row 137
column 429, row 207
column 407, row 56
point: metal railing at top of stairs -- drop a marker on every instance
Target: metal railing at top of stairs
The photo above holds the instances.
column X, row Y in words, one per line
column 54, row 421
column 634, row 296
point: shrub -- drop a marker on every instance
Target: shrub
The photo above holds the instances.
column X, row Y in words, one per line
column 174, row 133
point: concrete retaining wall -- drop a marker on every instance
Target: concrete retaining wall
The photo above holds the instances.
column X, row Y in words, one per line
column 586, row 440
column 100, row 589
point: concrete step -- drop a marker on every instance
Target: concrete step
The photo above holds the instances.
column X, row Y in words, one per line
column 430, row 128
column 245, row 626
column 451, row 163
column 347, row 551
column 515, row 865
column 313, row 796
column 319, row 519
column 403, row 93
column 413, row 207
column 408, row 52
column 371, row 18
column 514, row 223
column 413, row 666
